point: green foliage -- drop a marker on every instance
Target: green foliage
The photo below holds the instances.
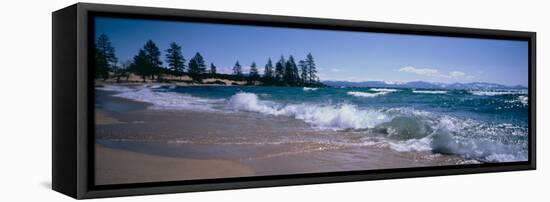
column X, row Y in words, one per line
column 237, row 70
column 140, row 65
column 105, row 59
column 280, row 70
column 304, row 75
column 213, row 70
column 197, row 67
column 291, row 76
column 152, row 54
column 147, row 64
column 312, row 78
column 268, row 70
column 175, row 59
column 253, row 75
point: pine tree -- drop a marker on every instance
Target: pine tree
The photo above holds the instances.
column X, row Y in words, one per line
column 197, row 67
column 280, row 69
column 268, row 70
column 237, row 70
column 254, row 75
column 312, row 70
column 140, row 65
column 304, row 72
column 152, row 55
column 175, row 59
column 291, row 76
column 213, row 69
column 105, row 58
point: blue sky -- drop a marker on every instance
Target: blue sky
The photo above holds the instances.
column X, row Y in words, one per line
column 340, row 55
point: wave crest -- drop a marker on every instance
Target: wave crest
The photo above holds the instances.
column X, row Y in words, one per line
column 310, row 89
column 401, row 129
column 384, row 90
column 342, row 116
column 430, row 91
column 162, row 100
column 496, row 93
column 365, row 94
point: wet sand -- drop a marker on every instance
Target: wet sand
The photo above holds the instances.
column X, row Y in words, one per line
column 220, row 144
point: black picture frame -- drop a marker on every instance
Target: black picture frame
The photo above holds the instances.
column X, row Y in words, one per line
column 73, row 100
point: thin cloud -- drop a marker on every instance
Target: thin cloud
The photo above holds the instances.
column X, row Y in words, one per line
column 457, row 74
column 429, row 72
column 420, row 71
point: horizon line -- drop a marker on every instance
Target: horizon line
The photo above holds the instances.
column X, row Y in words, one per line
column 449, row 83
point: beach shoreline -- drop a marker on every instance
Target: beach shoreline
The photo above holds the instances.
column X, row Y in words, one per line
column 134, row 80
column 129, row 133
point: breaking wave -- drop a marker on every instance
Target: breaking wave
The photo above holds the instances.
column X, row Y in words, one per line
column 496, row 93
column 400, row 129
column 430, row 91
column 365, row 94
column 404, row 129
column 384, row 90
column 342, row 116
column 310, row 89
column 162, row 100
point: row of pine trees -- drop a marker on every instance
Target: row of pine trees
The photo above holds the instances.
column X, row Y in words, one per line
column 148, row 65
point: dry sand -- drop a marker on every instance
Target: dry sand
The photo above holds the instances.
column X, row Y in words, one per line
column 117, row 166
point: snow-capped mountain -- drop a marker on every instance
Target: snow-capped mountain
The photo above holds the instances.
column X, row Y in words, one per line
column 423, row 85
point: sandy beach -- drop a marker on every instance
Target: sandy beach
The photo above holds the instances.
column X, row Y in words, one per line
column 139, row 144
column 115, row 166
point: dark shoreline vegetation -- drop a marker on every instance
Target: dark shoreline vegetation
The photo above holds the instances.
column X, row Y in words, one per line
column 148, row 66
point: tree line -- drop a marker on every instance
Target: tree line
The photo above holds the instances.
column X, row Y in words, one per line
column 147, row 64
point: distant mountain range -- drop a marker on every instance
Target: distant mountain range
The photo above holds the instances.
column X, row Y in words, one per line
column 423, row 85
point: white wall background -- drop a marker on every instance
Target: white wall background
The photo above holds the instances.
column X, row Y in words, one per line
column 25, row 102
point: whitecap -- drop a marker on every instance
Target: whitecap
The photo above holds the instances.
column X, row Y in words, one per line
column 430, row 91
column 342, row 116
column 366, row 94
column 496, row 93
column 390, row 90
column 310, row 89
column 163, row 100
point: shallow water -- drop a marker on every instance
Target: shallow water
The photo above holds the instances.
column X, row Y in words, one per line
column 486, row 126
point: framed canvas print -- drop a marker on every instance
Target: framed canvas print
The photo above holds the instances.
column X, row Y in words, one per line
column 154, row 100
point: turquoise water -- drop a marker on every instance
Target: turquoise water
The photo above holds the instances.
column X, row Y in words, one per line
column 506, row 107
column 488, row 126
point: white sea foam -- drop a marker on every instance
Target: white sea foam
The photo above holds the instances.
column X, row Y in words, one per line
column 162, row 100
column 310, row 89
column 523, row 99
column 445, row 139
column 495, row 93
column 419, row 131
column 384, row 90
column 366, row 94
column 422, row 144
column 430, row 91
column 505, row 157
column 447, row 135
column 408, row 130
column 343, row 116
